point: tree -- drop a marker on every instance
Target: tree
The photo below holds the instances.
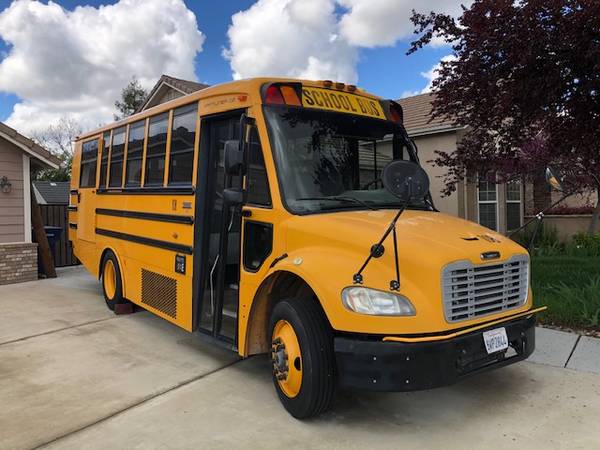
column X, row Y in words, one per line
column 132, row 97
column 526, row 80
column 58, row 139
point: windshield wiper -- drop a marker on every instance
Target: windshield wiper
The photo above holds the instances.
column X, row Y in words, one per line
column 341, row 199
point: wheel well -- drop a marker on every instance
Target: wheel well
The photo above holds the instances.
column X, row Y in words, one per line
column 278, row 286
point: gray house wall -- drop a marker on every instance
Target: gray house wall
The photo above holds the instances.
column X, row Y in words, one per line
column 12, row 216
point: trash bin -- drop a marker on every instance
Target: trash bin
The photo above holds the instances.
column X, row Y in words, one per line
column 53, row 235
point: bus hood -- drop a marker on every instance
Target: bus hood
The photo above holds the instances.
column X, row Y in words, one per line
column 328, row 249
column 434, row 236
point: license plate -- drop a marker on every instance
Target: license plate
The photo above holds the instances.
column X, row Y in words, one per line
column 495, row 340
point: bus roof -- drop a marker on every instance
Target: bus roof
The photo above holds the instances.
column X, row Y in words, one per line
column 250, row 87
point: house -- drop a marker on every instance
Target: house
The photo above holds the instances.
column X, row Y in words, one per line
column 51, row 192
column 169, row 88
column 501, row 207
column 19, row 158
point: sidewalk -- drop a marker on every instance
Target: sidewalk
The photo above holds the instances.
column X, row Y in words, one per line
column 567, row 350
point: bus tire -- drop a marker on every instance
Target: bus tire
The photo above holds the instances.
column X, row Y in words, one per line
column 112, row 285
column 302, row 357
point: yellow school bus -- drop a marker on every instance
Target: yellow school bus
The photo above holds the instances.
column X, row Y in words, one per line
column 292, row 218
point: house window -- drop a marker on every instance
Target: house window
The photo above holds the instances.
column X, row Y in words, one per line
column 156, row 149
column 183, row 138
column 89, row 158
column 513, row 205
column 116, row 158
column 135, row 148
column 488, row 204
column 104, row 159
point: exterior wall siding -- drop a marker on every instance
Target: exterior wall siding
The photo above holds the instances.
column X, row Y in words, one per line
column 18, row 262
column 427, row 146
column 12, row 215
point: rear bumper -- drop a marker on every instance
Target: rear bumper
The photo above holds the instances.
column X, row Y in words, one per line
column 400, row 366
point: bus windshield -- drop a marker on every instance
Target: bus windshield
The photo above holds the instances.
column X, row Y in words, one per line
column 330, row 161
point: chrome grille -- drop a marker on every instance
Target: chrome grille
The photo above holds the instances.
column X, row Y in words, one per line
column 470, row 291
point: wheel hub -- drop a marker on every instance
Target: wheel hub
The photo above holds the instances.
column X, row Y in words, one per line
column 279, row 357
column 286, row 358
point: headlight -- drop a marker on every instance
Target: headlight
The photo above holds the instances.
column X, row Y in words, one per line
column 376, row 303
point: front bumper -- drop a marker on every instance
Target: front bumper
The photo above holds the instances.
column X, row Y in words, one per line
column 399, row 366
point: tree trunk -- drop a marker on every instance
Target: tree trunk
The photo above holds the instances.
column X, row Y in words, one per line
column 41, row 238
column 595, row 215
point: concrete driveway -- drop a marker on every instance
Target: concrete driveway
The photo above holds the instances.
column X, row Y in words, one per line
column 73, row 375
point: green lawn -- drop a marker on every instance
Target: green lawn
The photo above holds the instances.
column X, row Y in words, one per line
column 570, row 287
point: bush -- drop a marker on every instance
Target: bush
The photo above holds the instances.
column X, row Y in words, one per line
column 585, row 244
column 570, row 287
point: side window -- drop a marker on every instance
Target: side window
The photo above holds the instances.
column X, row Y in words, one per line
column 183, row 138
column 156, row 150
column 258, row 244
column 89, row 158
column 104, row 159
column 135, row 148
column 116, row 158
column 258, row 184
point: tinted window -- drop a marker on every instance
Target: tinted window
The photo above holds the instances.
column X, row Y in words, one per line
column 89, row 157
column 135, row 148
column 183, row 137
column 104, row 159
column 116, row 158
column 258, row 185
column 156, row 149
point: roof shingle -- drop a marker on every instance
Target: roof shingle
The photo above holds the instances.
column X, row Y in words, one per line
column 417, row 115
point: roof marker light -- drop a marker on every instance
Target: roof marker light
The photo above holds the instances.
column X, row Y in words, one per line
column 290, row 96
column 273, row 96
column 340, row 86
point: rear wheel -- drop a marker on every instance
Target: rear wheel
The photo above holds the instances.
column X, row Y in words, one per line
column 302, row 357
column 112, row 286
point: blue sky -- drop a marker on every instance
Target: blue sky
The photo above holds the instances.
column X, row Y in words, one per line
column 383, row 70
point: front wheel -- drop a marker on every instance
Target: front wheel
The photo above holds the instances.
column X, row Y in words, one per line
column 302, row 357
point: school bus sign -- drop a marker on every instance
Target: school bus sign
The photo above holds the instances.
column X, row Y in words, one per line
column 341, row 102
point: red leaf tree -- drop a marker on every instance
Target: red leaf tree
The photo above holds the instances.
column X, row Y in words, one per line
column 526, row 81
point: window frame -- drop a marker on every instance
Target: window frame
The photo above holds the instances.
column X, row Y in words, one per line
column 247, row 186
column 172, row 115
column 123, row 161
column 520, row 202
column 488, row 202
column 83, row 164
column 135, row 125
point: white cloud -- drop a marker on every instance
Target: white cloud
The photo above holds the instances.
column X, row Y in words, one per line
column 433, row 73
column 297, row 38
column 430, row 76
column 75, row 63
column 373, row 23
column 307, row 38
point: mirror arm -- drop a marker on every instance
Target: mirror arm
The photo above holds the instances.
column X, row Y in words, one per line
column 540, row 216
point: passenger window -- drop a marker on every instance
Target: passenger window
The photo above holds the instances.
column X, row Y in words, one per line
column 135, row 148
column 156, row 149
column 258, row 184
column 116, row 158
column 104, row 159
column 89, row 157
column 183, row 137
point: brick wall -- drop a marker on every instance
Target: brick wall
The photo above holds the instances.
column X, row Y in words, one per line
column 18, row 262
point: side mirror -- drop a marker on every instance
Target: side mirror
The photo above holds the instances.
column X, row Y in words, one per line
column 553, row 180
column 233, row 158
column 233, row 197
column 406, row 180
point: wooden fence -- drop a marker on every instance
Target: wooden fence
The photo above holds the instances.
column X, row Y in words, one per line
column 57, row 216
